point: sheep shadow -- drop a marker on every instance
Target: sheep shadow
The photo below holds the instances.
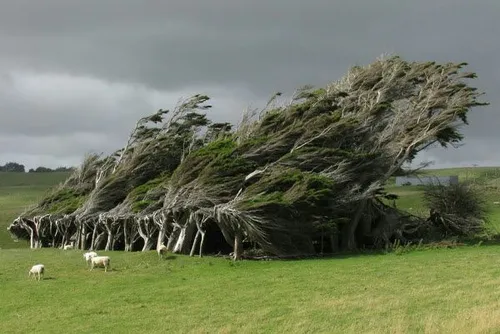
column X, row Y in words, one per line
column 170, row 257
column 102, row 270
column 48, row 278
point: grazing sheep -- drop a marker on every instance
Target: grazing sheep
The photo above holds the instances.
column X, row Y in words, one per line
column 101, row 261
column 70, row 246
column 87, row 256
column 161, row 250
column 37, row 270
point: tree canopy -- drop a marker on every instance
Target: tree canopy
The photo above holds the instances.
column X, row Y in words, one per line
column 284, row 180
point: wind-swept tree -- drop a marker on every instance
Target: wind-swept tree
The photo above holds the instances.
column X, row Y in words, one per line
column 291, row 176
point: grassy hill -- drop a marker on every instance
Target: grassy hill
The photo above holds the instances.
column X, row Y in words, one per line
column 19, row 190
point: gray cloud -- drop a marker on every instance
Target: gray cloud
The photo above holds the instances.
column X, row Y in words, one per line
column 80, row 70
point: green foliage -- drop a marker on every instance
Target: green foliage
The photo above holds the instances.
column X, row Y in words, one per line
column 141, row 205
column 291, row 188
column 140, row 191
column 63, row 201
column 225, row 167
column 141, row 197
column 220, row 150
column 313, row 192
column 253, row 143
column 457, row 209
column 463, row 199
column 221, row 147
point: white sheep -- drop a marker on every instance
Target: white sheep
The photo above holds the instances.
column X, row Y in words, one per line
column 103, row 261
column 87, row 256
column 161, row 250
column 69, row 246
column 37, row 270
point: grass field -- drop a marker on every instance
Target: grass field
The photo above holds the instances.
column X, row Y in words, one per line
column 425, row 291
column 444, row 290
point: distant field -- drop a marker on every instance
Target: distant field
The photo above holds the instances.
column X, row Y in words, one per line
column 411, row 196
column 19, row 190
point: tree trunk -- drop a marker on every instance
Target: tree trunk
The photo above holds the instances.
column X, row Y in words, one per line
column 185, row 238
column 148, row 244
column 83, row 237
column 130, row 233
column 193, row 247
column 94, row 234
column 126, row 235
column 32, row 238
column 107, row 222
column 173, row 238
column 202, row 243
column 238, row 246
column 161, row 235
column 116, row 236
column 37, row 243
column 146, row 233
column 99, row 240
column 63, row 242
column 180, row 240
column 109, row 241
column 349, row 233
column 334, row 241
column 78, row 236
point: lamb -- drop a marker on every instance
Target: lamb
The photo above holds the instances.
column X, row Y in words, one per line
column 70, row 246
column 37, row 270
column 89, row 255
column 103, row 261
column 161, row 250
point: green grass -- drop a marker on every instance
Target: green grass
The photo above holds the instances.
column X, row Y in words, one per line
column 18, row 191
column 447, row 290
column 440, row 290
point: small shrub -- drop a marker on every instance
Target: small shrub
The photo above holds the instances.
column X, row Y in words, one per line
column 457, row 209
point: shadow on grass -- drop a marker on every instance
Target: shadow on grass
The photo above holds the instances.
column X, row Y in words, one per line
column 482, row 242
column 324, row 256
column 469, row 243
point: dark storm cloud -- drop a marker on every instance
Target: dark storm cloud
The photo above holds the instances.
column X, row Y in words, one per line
column 116, row 59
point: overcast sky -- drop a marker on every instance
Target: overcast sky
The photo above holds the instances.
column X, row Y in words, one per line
column 75, row 75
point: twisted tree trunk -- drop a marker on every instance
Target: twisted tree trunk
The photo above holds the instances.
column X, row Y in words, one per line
column 193, row 247
column 130, row 233
column 94, row 235
column 146, row 229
